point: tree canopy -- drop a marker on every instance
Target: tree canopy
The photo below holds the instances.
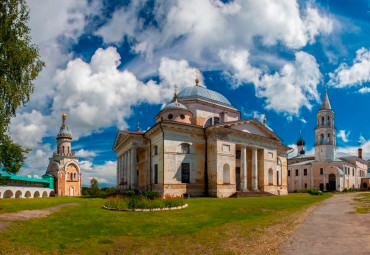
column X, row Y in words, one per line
column 20, row 64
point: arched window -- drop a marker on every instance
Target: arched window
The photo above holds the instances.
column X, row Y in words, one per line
column 216, row 120
column 155, row 150
column 71, row 176
column 322, row 139
column 328, row 138
column 74, row 175
column 185, row 148
column 63, row 149
column 68, row 149
column 226, row 174
column 208, row 123
column 322, row 120
column 329, row 121
column 271, row 177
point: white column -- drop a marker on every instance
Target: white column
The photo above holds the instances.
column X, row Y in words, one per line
column 129, row 169
column 133, row 168
column 244, row 165
column 118, row 166
column 121, row 176
column 125, row 187
column 254, row 170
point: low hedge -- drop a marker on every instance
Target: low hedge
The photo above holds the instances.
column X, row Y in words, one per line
column 143, row 201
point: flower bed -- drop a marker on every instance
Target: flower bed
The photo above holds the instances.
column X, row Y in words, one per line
column 146, row 202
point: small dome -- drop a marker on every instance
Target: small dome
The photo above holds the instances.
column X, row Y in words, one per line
column 300, row 142
column 199, row 91
column 174, row 105
column 302, row 152
column 64, row 131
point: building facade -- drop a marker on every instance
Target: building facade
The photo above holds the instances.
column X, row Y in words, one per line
column 199, row 146
column 64, row 166
column 327, row 170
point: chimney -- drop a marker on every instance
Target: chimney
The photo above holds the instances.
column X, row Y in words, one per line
column 360, row 153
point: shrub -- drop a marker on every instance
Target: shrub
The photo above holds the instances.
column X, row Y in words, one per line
column 141, row 202
column 130, row 193
column 151, row 195
column 315, row 192
column 345, row 190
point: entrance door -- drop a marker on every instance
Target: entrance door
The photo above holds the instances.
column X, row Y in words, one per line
column 322, row 186
column 332, row 182
column 237, row 178
column 71, row 191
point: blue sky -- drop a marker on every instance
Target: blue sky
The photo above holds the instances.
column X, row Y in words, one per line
column 111, row 64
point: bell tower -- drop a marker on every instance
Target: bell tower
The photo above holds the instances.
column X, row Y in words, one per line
column 325, row 132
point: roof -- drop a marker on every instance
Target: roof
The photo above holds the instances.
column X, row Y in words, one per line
column 25, row 178
column 202, row 92
column 174, row 105
column 325, row 105
column 303, row 163
column 300, row 142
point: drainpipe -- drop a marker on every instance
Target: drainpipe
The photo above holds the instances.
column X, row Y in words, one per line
column 150, row 162
column 205, row 165
column 160, row 125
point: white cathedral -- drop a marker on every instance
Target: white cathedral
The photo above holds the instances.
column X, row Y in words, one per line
column 199, row 146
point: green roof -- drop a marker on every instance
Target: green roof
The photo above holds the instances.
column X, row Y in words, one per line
column 25, row 178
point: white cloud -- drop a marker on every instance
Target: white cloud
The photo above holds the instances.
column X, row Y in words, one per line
column 293, row 87
column 105, row 173
column 355, row 75
column 344, row 135
column 85, row 154
column 28, row 129
column 353, row 150
column 364, row 90
column 182, row 28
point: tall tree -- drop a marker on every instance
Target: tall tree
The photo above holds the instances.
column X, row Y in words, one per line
column 19, row 66
column 94, row 192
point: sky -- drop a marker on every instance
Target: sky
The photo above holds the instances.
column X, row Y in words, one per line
column 112, row 64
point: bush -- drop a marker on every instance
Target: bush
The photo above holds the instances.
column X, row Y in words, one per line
column 151, row 195
column 130, row 193
column 345, row 190
column 141, row 202
column 315, row 192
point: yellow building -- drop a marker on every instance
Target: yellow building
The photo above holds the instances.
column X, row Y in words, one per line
column 199, row 146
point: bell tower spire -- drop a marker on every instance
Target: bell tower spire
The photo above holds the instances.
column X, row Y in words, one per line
column 325, row 132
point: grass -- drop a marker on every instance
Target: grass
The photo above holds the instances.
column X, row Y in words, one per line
column 364, row 203
column 203, row 227
column 15, row 205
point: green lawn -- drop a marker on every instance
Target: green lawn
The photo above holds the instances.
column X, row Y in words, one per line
column 364, row 203
column 203, row 227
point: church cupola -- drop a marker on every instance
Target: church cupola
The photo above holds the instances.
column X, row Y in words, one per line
column 175, row 111
column 301, row 145
column 325, row 132
column 64, row 139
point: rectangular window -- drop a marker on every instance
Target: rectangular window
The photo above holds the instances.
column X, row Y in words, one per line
column 353, row 172
column 305, row 185
column 288, row 172
column 296, row 172
column 321, row 170
column 155, row 152
column 271, row 155
column 237, row 154
column 156, row 174
column 226, row 147
column 185, row 172
column 304, row 172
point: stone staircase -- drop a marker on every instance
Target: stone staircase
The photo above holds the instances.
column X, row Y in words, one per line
column 251, row 194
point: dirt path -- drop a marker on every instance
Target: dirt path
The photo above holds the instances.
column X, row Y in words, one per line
column 29, row 214
column 331, row 229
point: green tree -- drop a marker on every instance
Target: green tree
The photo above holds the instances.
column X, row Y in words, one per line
column 19, row 66
column 94, row 187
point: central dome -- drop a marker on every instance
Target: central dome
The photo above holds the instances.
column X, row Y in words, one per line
column 201, row 92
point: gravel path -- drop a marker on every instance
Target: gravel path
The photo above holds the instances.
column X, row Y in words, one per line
column 29, row 214
column 331, row 229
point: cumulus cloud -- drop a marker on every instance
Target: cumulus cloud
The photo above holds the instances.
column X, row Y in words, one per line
column 105, row 174
column 353, row 150
column 85, row 153
column 354, row 75
column 344, row 135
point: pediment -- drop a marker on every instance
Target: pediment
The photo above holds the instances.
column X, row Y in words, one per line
column 119, row 139
column 252, row 126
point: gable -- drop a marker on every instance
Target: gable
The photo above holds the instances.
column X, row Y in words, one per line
column 251, row 129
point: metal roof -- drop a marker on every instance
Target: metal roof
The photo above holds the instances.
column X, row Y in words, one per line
column 202, row 92
column 46, row 178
